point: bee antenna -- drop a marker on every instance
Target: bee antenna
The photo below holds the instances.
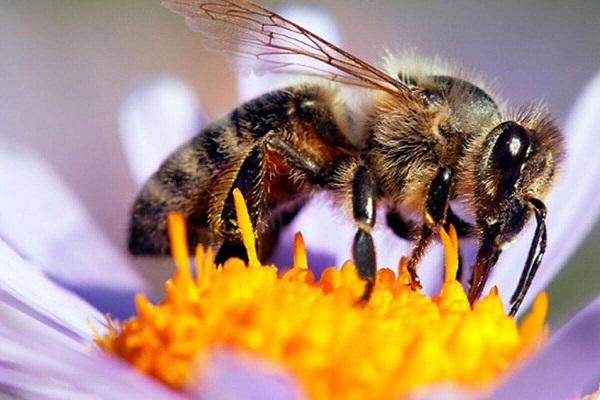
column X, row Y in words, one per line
column 533, row 259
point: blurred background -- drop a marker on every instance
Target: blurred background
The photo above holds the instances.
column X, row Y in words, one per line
column 66, row 66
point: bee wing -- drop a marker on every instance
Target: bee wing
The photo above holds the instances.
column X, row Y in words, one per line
column 265, row 41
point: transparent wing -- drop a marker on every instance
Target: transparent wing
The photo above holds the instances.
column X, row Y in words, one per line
column 262, row 40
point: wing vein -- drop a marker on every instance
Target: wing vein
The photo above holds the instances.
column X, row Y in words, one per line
column 273, row 43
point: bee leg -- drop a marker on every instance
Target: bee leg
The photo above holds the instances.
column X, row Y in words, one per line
column 249, row 181
column 310, row 167
column 408, row 230
column 363, row 210
column 436, row 207
column 532, row 264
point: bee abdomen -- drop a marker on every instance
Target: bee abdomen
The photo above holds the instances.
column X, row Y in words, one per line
column 276, row 148
column 180, row 185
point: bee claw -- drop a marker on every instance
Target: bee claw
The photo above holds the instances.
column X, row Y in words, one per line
column 415, row 282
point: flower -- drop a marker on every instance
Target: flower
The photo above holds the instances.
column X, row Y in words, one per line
column 46, row 348
column 399, row 341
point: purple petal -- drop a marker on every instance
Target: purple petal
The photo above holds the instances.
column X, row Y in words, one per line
column 46, row 342
column 442, row 392
column 229, row 377
column 573, row 206
column 38, row 361
column 157, row 116
column 24, row 287
column 568, row 367
column 45, row 222
column 46, row 348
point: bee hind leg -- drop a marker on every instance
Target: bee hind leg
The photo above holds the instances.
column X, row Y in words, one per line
column 313, row 170
column 265, row 242
column 249, row 181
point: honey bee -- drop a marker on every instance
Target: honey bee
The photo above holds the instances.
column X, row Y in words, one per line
column 431, row 137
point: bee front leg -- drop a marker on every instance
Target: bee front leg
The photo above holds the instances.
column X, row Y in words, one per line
column 363, row 211
column 436, row 208
column 408, row 230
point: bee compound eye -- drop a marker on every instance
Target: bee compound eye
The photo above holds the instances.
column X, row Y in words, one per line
column 508, row 155
column 511, row 146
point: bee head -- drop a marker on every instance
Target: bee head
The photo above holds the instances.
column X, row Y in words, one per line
column 518, row 165
column 520, row 162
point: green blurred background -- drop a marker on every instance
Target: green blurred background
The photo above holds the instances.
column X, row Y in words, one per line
column 65, row 67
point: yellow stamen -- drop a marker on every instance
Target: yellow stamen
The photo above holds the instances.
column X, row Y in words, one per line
column 179, row 248
column 450, row 243
column 400, row 341
column 300, row 260
column 532, row 327
column 203, row 265
column 245, row 226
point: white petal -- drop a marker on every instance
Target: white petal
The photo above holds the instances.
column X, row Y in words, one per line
column 568, row 367
column 157, row 116
column 44, row 221
column 573, row 206
column 317, row 20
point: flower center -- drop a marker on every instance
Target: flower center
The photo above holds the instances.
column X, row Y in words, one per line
column 399, row 341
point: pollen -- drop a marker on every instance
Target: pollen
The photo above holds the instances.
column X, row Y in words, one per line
column 399, row 342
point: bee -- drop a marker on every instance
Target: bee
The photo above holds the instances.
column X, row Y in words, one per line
column 431, row 138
